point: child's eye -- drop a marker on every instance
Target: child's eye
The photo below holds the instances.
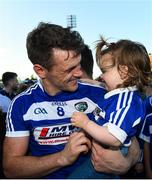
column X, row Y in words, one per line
column 105, row 69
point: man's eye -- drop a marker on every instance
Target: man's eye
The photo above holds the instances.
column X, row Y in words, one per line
column 71, row 69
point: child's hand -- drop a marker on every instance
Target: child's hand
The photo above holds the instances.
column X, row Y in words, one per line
column 79, row 119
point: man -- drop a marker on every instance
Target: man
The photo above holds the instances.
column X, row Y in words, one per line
column 10, row 83
column 40, row 140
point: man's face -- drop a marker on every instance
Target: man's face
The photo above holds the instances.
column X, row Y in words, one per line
column 65, row 71
column 14, row 83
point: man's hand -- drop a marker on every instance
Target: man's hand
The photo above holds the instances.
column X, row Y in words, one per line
column 107, row 160
column 112, row 161
column 78, row 143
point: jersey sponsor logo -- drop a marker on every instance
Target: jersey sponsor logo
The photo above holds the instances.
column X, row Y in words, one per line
column 59, row 103
column 81, row 106
column 40, row 110
column 54, row 135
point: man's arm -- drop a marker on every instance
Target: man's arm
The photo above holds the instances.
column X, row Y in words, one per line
column 18, row 165
column 148, row 169
column 112, row 161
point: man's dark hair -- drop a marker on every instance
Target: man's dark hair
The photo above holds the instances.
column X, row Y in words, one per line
column 7, row 76
column 87, row 61
column 41, row 41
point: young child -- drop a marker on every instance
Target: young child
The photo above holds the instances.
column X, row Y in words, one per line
column 146, row 135
column 125, row 67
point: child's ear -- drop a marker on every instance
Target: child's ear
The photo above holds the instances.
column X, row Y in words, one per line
column 123, row 71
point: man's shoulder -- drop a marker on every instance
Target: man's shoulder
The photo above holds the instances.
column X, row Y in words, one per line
column 91, row 91
column 27, row 95
column 4, row 98
column 91, row 86
column 3, row 92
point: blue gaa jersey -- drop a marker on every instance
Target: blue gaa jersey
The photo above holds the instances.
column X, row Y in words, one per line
column 146, row 132
column 46, row 119
column 123, row 111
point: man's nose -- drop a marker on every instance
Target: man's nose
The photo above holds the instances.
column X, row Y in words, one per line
column 77, row 72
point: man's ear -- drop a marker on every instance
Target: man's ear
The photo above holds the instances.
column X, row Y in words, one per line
column 40, row 71
column 123, row 71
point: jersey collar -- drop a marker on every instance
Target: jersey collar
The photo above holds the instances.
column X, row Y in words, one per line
column 120, row 90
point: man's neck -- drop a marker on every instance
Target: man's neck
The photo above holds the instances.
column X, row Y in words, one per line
column 51, row 90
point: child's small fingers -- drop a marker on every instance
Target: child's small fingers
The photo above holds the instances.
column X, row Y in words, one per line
column 73, row 124
column 72, row 119
column 74, row 113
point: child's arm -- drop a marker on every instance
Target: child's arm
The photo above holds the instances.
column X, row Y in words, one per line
column 148, row 169
column 99, row 133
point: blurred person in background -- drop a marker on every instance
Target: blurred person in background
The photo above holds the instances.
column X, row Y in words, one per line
column 4, row 103
column 146, row 136
column 87, row 63
column 25, row 85
column 10, row 83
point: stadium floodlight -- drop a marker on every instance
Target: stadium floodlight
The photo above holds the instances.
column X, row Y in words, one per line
column 71, row 21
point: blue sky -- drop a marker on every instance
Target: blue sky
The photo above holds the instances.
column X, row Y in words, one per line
column 114, row 19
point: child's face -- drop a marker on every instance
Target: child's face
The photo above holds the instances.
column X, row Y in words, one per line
column 110, row 73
